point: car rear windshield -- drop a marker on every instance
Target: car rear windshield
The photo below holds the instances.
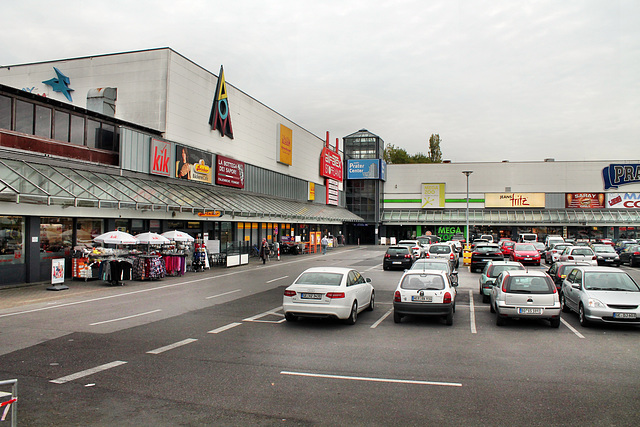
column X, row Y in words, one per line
column 397, row 251
column 487, row 249
column 582, row 251
column 530, row 285
column 604, row 248
column 497, row 269
column 608, row 281
column 422, row 281
column 427, row 265
column 439, row 249
column 316, row 278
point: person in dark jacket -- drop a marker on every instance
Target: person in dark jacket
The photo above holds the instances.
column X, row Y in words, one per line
column 264, row 250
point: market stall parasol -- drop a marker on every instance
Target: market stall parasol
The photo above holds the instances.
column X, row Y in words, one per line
column 116, row 238
column 151, row 238
column 178, row 236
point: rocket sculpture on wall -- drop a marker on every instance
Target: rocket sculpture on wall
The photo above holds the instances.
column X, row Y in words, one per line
column 220, row 118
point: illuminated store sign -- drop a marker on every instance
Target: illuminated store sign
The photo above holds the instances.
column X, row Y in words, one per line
column 584, row 200
column 161, row 157
column 514, row 200
column 229, row 172
column 330, row 164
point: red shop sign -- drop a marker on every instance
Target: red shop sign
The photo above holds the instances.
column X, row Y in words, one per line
column 330, row 165
column 229, row 172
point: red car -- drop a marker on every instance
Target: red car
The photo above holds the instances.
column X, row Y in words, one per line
column 525, row 253
column 506, row 246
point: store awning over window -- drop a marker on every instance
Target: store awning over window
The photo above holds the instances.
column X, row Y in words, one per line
column 43, row 184
column 585, row 217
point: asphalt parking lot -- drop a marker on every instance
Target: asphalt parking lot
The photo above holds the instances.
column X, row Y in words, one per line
column 214, row 348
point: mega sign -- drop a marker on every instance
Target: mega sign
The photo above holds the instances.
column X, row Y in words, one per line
column 229, row 172
column 330, row 164
column 623, row 200
column 615, row 175
column 433, row 195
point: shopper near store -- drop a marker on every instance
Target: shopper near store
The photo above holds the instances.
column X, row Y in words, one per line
column 324, row 243
column 264, row 250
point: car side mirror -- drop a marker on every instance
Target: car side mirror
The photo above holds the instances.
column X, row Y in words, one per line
column 576, row 286
column 368, row 279
column 454, row 272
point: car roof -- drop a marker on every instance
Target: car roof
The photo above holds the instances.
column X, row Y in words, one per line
column 504, row 263
column 421, row 272
column 591, row 269
column 440, row 260
column 341, row 270
column 537, row 273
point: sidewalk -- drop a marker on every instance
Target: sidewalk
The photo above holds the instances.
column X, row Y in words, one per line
column 34, row 293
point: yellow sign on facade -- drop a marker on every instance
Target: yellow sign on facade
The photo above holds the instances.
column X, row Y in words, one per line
column 312, row 191
column 285, row 150
column 514, row 200
column 432, row 196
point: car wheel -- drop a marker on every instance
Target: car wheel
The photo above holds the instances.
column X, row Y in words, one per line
column 397, row 318
column 582, row 317
column 351, row 320
column 372, row 301
column 485, row 298
column 500, row 320
column 563, row 304
column 617, row 264
column 385, row 268
column 448, row 320
column 555, row 322
column 491, row 307
column 290, row 317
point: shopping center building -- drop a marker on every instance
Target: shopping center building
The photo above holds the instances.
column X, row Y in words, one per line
column 150, row 141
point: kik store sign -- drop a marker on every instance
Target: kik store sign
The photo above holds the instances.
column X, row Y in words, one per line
column 161, row 158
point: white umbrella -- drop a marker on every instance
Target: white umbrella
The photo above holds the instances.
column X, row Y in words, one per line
column 178, row 236
column 151, row 238
column 116, row 238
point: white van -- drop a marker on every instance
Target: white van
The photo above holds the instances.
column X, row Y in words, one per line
column 551, row 241
column 527, row 237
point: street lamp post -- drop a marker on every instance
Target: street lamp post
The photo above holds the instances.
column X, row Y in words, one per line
column 467, row 173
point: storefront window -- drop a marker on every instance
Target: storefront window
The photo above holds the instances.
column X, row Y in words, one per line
column 226, row 235
column 11, row 240
column 87, row 230
column 43, row 121
column 61, row 126
column 5, row 112
column 56, row 236
column 24, row 117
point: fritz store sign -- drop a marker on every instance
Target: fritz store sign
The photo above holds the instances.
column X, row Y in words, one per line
column 161, row 158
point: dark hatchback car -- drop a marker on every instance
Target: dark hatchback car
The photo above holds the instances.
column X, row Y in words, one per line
column 559, row 270
column 630, row 255
column 399, row 257
column 483, row 253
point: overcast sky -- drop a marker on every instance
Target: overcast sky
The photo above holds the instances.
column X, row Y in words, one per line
column 497, row 79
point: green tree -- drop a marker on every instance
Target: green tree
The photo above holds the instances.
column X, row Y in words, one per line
column 395, row 155
column 435, row 155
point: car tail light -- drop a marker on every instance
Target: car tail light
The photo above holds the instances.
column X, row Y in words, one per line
column 476, row 253
column 387, row 256
column 335, row 294
column 426, row 255
column 416, row 248
column 452, row 256
column 504, row 286
column 288, row 293
column 636, row 253
column 570, row 257
column 555, row 290
column 396, row 296
column 447, row 298
column 594, row 257
column 407, row 256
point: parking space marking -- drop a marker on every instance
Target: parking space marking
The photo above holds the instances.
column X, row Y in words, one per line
column 224, row 328
column 374, row 267
column 124, row 318
column 275, row 280
column 371, row 379
column 223, row 294
column 571, row 328
column 87, row 372
column 172, row 346
column 380, row 320
column 472, row 313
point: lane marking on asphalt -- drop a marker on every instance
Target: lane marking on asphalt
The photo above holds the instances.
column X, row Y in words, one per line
column 124, row 318
column 374, row 267
column 223, row 294
column 224, row 328
column 275, row 280
column 380, row 380
column 472, row 313
column 172, row 346
column 87, row 372
column 380, row 320
column 35, row 310
column 571, row 328
column 273, row 311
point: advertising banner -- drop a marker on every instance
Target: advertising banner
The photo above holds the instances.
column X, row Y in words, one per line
column 192, row 164
column 311, row 191
column 584, row 200
column 285, row 145
column 615, row 175
column 514, row 200
column 333, row 192
column 57, row 271
column 229, row 172
column 161, row 157
column 432, row 196
column 330, row 165
column 623, row 200
column 363, row 169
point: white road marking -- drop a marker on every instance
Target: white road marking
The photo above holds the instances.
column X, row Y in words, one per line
column 124, row 318
column 172, row 346
column 266, row 313
column 380, row 380
column 374, row 267
column 223, row 294
column 472, row 313
column 571, row 328
column 275, row 280
column 87, row 372
column 380, row 320
column 224, row 328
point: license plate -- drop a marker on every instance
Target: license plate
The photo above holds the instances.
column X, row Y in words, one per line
column 421, row 298
column 530, row 311
column 528, row 259
column 397, row 262
column 308, row 295
column 624, row 315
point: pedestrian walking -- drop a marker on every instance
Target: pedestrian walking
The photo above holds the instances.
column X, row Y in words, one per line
column 324, row 243
column 264, row 250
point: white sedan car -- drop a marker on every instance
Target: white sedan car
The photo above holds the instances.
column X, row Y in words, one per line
column 333, row 292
